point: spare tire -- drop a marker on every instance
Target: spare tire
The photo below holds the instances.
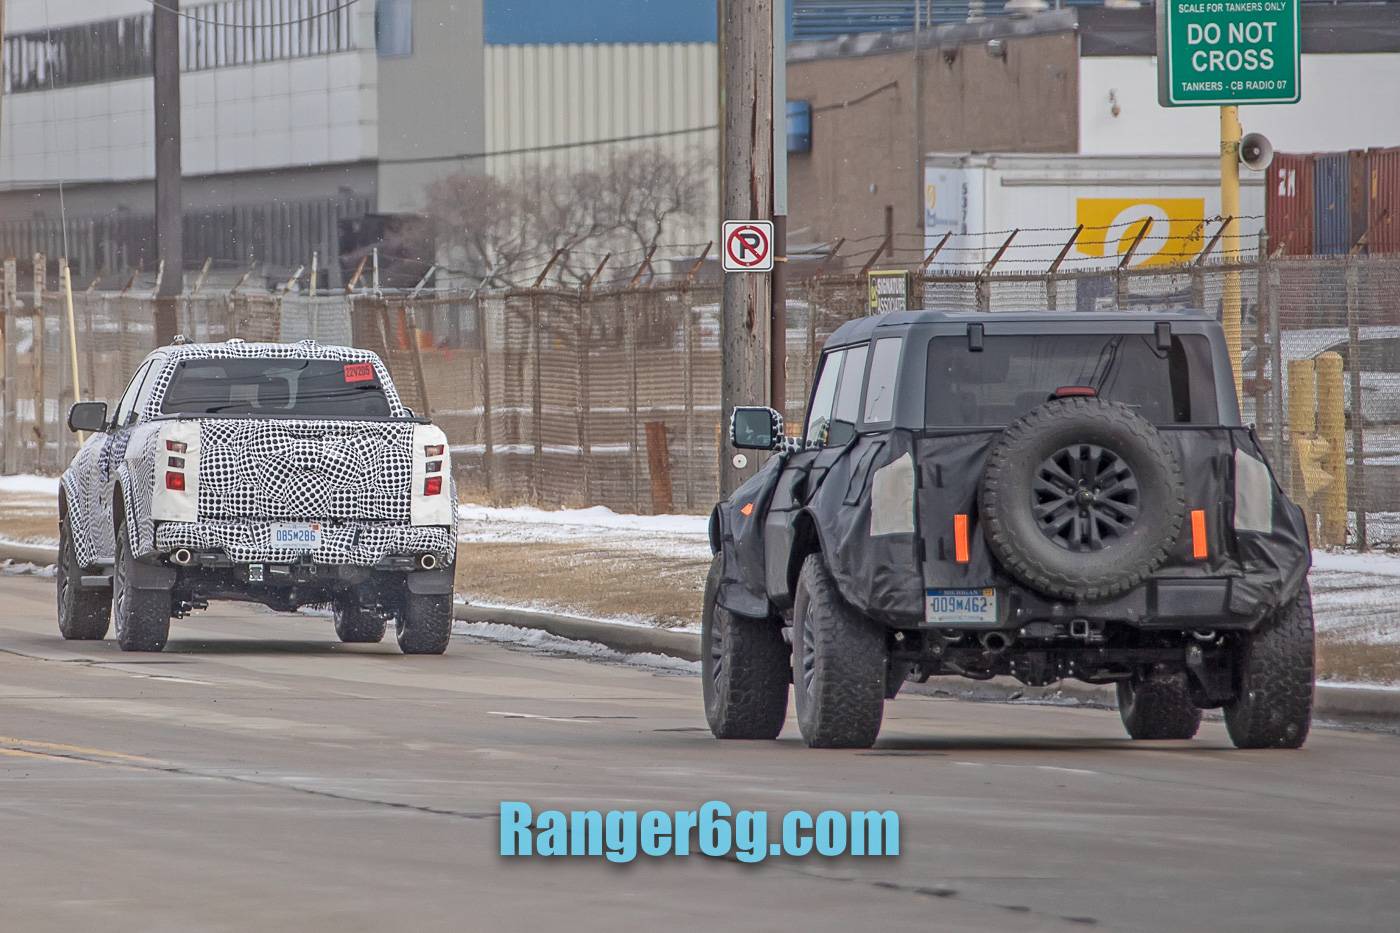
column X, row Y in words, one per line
column 1081, row 498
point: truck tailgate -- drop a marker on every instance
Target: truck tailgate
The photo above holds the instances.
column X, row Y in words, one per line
column 315, row 470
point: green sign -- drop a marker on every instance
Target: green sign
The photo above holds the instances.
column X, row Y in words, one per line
column 1221, row 52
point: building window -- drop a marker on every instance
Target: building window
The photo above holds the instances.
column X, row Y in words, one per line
column 393, row 27
column 212, row 35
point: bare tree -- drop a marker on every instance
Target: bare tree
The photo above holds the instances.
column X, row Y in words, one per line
column 503, row 230
column 648, row 188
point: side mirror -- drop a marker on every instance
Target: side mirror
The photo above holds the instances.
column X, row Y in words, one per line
column 88, row 416
column 755, row 428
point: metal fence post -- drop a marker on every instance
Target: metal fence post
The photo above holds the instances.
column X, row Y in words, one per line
column 536, row 401
column 486, row 434
column 36, row 359
column 10, row 300
column 583, row 407
column 629, row 324
column 1358, row 439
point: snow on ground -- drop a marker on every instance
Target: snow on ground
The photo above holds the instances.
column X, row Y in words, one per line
column 662, row 535
column 535, row 640
column 1354, row 598
column 24, row 484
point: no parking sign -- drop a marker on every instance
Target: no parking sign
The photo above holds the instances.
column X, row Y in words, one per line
column 748, row 246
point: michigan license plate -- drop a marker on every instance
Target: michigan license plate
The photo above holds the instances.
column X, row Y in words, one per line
column 296, row 536
column 961, row 607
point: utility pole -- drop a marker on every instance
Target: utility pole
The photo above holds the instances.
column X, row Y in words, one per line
column 1230, row 241
column 777, row 362
column 746, row 165
column 165, row 36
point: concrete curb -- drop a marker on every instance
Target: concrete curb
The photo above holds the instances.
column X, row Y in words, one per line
column 1359, row 706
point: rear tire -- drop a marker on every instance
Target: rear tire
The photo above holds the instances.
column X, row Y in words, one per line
column 839, row 664
column 83, row 614
column 1158, row 706
column 356, row 625
column 1274, row 705
column 745, row 668
column 142, row 617
column 424, row 623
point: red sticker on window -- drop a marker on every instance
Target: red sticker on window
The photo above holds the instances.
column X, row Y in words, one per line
column 359, row 372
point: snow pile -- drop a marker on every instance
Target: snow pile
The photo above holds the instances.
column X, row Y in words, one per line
column 662, row 535
column 27, row 484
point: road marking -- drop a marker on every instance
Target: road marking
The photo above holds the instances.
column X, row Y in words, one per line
column 17, row 744
column 572, row 722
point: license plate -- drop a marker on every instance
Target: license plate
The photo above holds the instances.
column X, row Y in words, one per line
column 961, row 607
column 296, row 536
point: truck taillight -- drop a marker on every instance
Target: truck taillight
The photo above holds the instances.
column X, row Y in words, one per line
column 174, row 480
column 433, row 450
column 432, row 486
column 176, row 447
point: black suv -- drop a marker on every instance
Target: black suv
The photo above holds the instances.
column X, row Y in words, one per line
column 1040, row 495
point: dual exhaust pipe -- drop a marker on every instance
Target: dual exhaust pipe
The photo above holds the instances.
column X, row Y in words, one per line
column 183, row 557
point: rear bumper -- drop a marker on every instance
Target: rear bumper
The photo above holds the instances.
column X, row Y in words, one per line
column 1159, row 604
column 355, row 544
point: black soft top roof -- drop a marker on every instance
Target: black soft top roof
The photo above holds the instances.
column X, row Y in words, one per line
column 865, row 328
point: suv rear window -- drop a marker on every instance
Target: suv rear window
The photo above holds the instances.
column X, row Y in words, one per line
column 276, row 387
column 1014, row 373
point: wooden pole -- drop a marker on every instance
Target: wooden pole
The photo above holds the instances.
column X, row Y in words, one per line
column 66, row 278
column 746, row 73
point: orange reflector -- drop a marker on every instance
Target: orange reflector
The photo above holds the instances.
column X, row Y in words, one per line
column 747, row 510
column 1199, row 549
column 960, row 549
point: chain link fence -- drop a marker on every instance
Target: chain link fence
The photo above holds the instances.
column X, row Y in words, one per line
column 578, row 396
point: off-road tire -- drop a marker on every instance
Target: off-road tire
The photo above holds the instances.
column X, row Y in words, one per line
column 424, row 623
column 355, row 625
column 83, row 614
column 141, row 617
column 745, row 667
column 1275, row 675
column 1006, row 505
column 1158, row 706
column 839, row 664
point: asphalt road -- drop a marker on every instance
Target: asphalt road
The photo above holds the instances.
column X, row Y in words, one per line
column 260, row 776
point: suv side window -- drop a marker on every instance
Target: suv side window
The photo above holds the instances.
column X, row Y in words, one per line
column 823, row 398
column 128, row 402
column 847, row 410
column 143, row 397
column 879, row 388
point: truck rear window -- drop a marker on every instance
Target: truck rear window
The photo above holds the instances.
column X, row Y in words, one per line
column 276, row 387
column 1014, row 373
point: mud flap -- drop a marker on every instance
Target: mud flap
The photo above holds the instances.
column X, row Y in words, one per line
column 436, row 582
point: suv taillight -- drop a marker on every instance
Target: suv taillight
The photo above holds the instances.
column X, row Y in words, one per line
column 432, row 486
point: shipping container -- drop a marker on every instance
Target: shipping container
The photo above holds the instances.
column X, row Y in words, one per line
column 981, row 198
column 1358, row 193
column 1331, row 211
column 1288, row 201
column 1383, row 235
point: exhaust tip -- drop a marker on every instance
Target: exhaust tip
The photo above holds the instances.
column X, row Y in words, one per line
column 181, row 556
column 995, row 641
column 428, row 561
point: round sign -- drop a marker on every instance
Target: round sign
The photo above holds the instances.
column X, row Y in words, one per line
column 740, row 461
column 747, row 245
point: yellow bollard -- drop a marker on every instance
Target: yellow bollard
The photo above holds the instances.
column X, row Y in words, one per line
column 1331, row 425
column 1302, row 423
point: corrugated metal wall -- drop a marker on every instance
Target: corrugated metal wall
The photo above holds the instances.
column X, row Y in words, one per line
column 542, row 96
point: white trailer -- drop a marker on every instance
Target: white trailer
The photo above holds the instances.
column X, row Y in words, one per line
column 981, row 198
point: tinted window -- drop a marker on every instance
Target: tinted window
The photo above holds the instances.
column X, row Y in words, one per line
column 843, row 418
column 879, row 388
column 1015, row 373
column 277, row 387
column 819, row 413
column 128, row 401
